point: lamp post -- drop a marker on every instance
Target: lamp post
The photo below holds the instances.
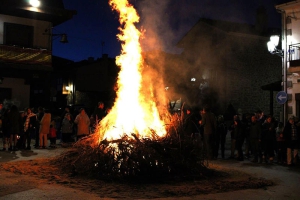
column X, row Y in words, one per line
column 272, row 47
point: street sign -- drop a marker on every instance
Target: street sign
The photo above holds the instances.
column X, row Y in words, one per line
column 281, row 97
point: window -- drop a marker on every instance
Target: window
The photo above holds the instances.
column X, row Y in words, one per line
column 19, row 35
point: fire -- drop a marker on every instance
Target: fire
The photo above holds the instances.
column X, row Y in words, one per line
column 134, row 110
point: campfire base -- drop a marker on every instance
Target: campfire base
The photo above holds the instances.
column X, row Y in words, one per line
column 137, row 159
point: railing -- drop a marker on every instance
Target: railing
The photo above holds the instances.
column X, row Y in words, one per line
column 13, row 54
column 294, row 52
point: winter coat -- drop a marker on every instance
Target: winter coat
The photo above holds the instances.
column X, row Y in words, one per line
column 66, row 126
column 83, row 124
column 287, row 134
column 255, row 130
column 15, row 120
column 209, row 123
column 30, row 122
column 45, row 123
column 269, row 132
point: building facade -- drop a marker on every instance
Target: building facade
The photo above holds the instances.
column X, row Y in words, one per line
column 26, row 50
column 290, row 46
column 232, row 60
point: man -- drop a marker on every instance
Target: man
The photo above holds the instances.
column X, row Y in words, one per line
column 255, row 131
column 39, row 115
column 209, row 124
column 291, row 135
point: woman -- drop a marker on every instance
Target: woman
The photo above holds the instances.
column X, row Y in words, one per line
column 83, row 123
column 29, row 126
column 14, row 119
column 67, row 128
column 44, row 129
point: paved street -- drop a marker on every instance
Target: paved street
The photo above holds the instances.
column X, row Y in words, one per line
column 287, row 180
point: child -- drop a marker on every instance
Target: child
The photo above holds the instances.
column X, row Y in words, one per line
column 52, row 136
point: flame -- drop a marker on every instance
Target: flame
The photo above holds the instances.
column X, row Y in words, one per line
column 134, row 111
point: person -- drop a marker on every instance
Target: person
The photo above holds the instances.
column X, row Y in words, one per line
column 67, row 128
column 209, row 124
column 99, row 112
column 233, row 138
column 1, row 112
column 291, row 135
column 63, row 115
column 248, row 148
column 52, row 136
column 83, row 123
column 268, row 139
column 20, row 141
column 239, row 137
column 29, row 127
column 189, row 123
column 44, row 129
column 5, row 130
column 255, row 138
column 14, row 119
column 39, row 115
column 260, row 116
column 280, row 144
column 220, row 138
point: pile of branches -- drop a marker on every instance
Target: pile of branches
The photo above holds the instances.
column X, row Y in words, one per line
column 143, row 159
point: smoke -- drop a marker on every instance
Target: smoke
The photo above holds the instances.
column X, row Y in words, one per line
column 166, row 22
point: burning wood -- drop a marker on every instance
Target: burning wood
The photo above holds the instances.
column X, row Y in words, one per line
column 133, row 140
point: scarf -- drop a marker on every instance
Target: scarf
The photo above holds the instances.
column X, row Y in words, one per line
column 26, row 124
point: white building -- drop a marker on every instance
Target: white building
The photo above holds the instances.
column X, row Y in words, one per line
column 290, row 45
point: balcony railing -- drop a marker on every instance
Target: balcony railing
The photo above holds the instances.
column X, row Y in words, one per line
column 294, row 58
column 13, row 54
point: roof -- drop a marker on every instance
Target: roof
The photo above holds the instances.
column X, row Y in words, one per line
column 50, row 10
column 232, row 27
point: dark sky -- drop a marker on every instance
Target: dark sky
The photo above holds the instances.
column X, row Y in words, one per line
column 92, row 32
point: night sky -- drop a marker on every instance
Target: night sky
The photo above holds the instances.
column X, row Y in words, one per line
column 92, row 32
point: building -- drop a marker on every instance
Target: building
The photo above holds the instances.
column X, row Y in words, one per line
column 228, row 64
column 290, row 48
column 25, row 49
column 87, row 82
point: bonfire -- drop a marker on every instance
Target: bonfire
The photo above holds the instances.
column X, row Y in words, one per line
column 136, row 139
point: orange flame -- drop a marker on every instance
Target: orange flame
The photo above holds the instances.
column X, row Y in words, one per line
column 134, row 111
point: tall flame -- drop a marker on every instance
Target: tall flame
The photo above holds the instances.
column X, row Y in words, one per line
column 134, row 110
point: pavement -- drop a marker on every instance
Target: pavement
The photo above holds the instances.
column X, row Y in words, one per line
column 287, row 181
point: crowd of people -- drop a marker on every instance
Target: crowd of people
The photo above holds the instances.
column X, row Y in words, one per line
column 256, row 136
column 19, row 128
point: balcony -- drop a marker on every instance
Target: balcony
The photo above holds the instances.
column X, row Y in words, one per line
column 294, row 58
column 33, row 58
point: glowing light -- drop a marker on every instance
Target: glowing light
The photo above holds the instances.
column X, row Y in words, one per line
column 35, row 3
column 135, row 110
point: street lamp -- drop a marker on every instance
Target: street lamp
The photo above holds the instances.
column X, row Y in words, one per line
column 35, row 3
column 272, row 47
column 62, row 36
